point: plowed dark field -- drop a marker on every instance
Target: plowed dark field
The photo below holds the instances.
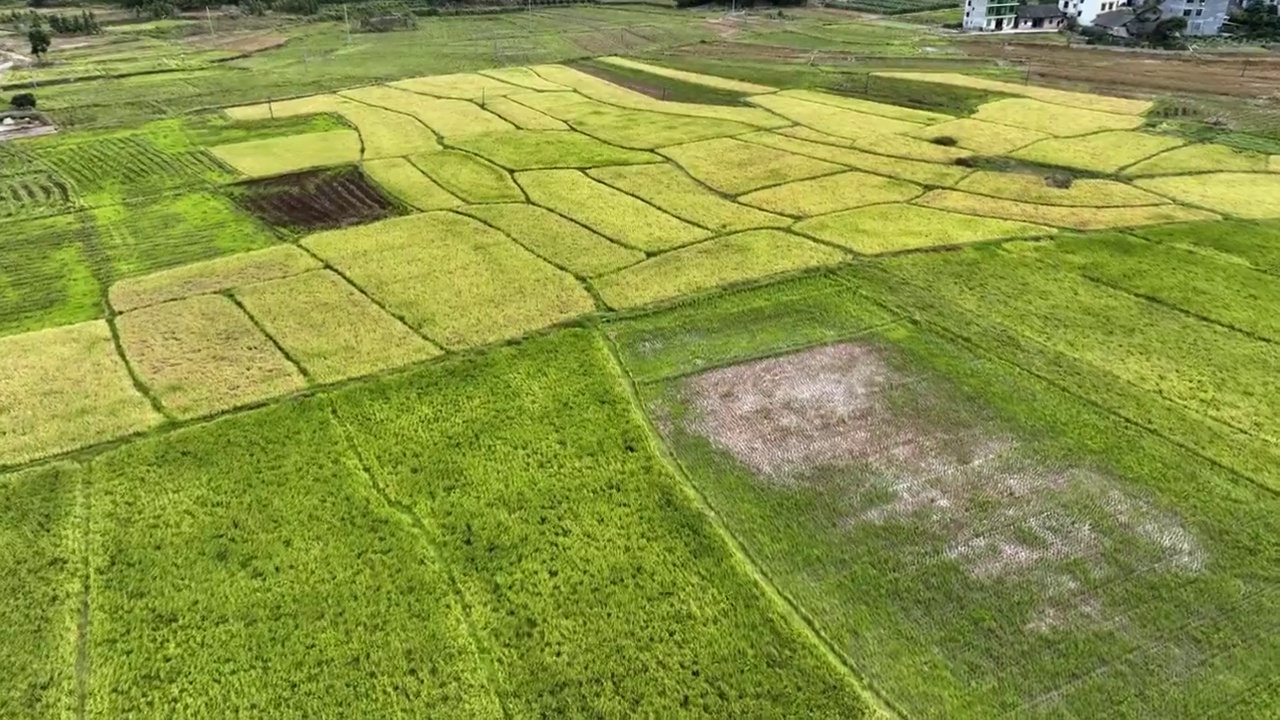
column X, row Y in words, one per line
column 317, row 200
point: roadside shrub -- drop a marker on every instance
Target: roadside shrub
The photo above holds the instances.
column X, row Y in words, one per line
column 23, row 101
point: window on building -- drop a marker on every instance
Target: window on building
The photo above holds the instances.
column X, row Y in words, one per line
column 1186, row 13
column 1199, row 13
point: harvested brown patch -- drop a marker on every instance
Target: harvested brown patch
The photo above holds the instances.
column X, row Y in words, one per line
column 317, row 200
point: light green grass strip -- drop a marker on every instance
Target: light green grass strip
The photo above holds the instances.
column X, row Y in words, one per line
column 277, row 156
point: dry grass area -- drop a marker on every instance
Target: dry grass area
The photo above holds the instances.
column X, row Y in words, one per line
column 203, row 355
column 65, row 388
column 1066, row 217
column 210, row 276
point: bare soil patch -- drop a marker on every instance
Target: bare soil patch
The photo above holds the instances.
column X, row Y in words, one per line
column 317, row 200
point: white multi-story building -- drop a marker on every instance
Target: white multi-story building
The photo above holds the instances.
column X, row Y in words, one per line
column 991, row 15
column 1084, row 11
column 1204, row 17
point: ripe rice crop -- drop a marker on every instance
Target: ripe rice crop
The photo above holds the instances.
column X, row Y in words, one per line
column 34, row 195
column 560, row 242
column 611, row 213
column 468, row 177
column 210, row 276
column 446, row 117
column 1246, row 195
column 1243, row 242
column 671, row 190
column 522, row 116
column 1201, row 157
column 831, row 193
column 329, row 328
column 1027, row 187
column 278, row 156
column 923, row 173
column 1087, row 101
column 47, row 274
column 471, row 285
column 893, row 145
column 640, row 129
column 1104, row 152
column 721, row 261
column 911, row 115
column 893, row 228
column 388, row 134
column 831, row 119
column 981, row 137
column 203, row 355
column 689, row 77
column 523, row 77
column 1098, row 218
column 531, row 150
column 401, row 179
column 460, row 86
column 1057, row 120
column 735, row 167
column 65, row 388
column 292, row 107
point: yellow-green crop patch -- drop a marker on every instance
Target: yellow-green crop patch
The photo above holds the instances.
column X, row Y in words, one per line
column 523, row 77
column 309, row 105
column 460, row 86
column 902, row 146
column 1104, row 152
column 1032, row 188
column 986, row 138
column 832, row 193
column 924, row 173
column 1097, row 218
column 65, row 388
column 614, row 214
column 735, row 167
column 1066, row 98
column 1057, row 120
column 468, row 177
column 532, row 150
column 468, row 285
column 277, row 156
column 640, row 129
column 735, row 258
column 689, row 77
column 1246, row 195
column 671, row 190
column 1275, row 164
column 523, row 116
column 894, row 228
column 911, row 115
column 403, row 180
column 329, row 328
column 388, row 134
column 1201, row 157
column 446, row 117
column 210, row 276
column 831, row 119
column 559, row 241
column 202, row 355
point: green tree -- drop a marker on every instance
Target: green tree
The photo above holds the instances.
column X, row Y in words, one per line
column 40, row 41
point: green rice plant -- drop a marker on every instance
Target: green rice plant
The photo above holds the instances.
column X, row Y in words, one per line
column 613, row 214
column 1032, row 188
column 329, row 328
column 132, row 164
column 711, row 81
column 559, row 241
column 471, row 285
column 210, row 276
column 666, row 187
column 923, row 173
column 531, row 150
column 894, row 228
column 65, row 388
column 640, row 129
column 986, row 138
column 831, row 119
column 459, row 86
column 34, row 195
column 831, row 193
column 868, row 107
column 468, row 177
column 447, row 118
column 749, row 255
column 523, row 77
column 1057, row 120
column 47, row 273
column 735, row 167
column 1254, row 244
column 278, row 156
column 1246, row 195
column 1076, row 218
column 403, row 180
column 203, row 355
column 1104, row 152
column 1064, row 98
column 1201, row 157
column 522, row 116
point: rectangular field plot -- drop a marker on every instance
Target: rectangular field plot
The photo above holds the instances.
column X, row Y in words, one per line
column 387, row 134
column 316, row 199
column 1065, row 98
column 446, row 117
column 559, row 241
column 722, row 261
column 1245, row 195
column 203, row 355
column 987, row 138
column 1057, row 120
column 131, row 164
column 1068, row 217
column 458, row 281
column 211, row 276
column 690, row 77
column 833, row 120
column 65, row 388
column 329, row 328
column 523, row 77
column 277, row 156
column 831, row 193
column 640, row 129
column 46, row 277
column 460, row 86
column 666, row 187
column 614, row 214
column 911, row 115
column 924, row 173
column 531, row 150
column 468, row 177
column 736, row 167
column 1105, row 152
column 1028, row 187
column 894, row 228
column 1201, row 157
column 523, row 117
column 401, row 179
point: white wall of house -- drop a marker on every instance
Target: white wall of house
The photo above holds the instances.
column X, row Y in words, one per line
column 1204, row 17
column 990, row 14
column 1084, row 11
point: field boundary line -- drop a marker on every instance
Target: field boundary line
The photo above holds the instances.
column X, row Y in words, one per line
column 110, row 316
column 877, row 704
column 230, row 295
column 844, row 167
column 415, row 118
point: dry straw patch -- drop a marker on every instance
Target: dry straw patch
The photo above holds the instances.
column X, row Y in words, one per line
column 921, row 117
column 523, row 77
column 460, row 86
column 833, row 120
column 277, row 156
column 893, row 228
column 832, row 193
column 1068, row 217
column 1104, row 152
column 561, row 242
column 522, row 116
column 924, row 173
column 735, row 167
column 690, row 77
column 65, row 388
column 446, row 117
column 403, row 180
column 675, row 192
column 330, row 329
column 1088, row 101
column 1246, row 195
column 981, row 137
column 1202, row 157
column 1057, row 120
column 210, row 276
column 1032, row 188
column 203, row 355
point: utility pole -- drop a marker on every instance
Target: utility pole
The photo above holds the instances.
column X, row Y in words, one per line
column 347, row 21
column 208, row 18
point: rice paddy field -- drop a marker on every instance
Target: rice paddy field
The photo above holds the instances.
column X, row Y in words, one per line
column 528, row 385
